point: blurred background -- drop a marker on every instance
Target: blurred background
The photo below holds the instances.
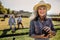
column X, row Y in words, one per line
column 25, row 8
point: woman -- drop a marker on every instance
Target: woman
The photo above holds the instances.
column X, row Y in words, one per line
column 12, row 22
column 19, row 21
column 41, row 27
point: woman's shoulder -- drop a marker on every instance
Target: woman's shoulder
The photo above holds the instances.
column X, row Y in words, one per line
column 31, row 20
column 50, row 19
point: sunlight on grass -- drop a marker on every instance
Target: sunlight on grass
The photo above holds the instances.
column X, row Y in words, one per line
column 4, row 24
column 57, row 37
column 26, row 21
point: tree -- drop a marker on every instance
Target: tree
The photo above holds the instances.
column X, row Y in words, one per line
column 2, row 9
column 8, row 11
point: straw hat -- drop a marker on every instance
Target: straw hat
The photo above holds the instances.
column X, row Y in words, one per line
column 40, row 4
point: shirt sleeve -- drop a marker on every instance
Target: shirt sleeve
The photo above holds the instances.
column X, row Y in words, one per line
column 32, row 29
column 52, row 26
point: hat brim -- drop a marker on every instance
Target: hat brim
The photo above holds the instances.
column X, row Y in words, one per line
column 37, row 5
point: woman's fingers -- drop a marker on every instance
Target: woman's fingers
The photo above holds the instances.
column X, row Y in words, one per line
column 49, row 35
column 46, row 29
column 43, row 36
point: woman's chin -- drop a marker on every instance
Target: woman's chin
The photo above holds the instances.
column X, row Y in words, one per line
column 42, row 15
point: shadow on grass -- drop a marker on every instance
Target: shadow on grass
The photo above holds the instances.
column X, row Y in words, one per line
column 57, row 29
column 16, row 29
column 57, row 25
column 4, row 34
column 18, row 34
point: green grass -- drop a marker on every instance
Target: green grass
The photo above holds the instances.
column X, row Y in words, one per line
column 3, row 25
column 16, row 32
column 1, row 32
column 57, row 37
column 19, row 31
column 56, row 22
column 26, row 37
column 22, row 37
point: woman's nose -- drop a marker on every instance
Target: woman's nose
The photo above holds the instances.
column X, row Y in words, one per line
column 42, row 11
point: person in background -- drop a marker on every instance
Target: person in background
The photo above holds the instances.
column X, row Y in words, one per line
column 41, row 27
column 19, row 21
column 12, row 22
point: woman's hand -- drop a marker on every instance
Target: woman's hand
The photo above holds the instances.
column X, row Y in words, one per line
column 43, row 36
column 47, row 29
column 49, row 35
column 40, row 36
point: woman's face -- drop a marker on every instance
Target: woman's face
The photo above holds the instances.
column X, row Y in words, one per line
column 42, row 11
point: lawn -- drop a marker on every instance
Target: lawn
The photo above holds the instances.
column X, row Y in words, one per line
column 26, row 37
column 4, row 25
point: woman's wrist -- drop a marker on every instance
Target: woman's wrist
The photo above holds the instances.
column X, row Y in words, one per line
column 50, row 32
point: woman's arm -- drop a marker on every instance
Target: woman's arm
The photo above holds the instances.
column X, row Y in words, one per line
column 52, row 33
column 53, row 30
column 32, row 32
column 39, row 36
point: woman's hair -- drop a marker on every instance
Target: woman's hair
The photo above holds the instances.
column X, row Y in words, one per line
column 35, row 16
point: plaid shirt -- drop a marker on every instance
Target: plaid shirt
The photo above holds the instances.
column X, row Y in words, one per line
column 36, row 27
